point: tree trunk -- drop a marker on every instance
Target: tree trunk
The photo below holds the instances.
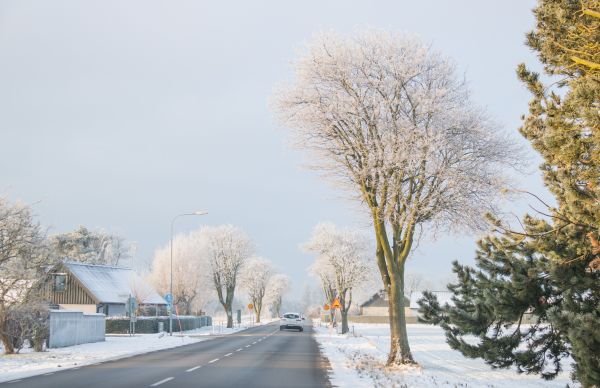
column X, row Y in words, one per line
column 7, row 344
column 229, row 316
column 257, row 309
column 344, row 314
column 399, row 346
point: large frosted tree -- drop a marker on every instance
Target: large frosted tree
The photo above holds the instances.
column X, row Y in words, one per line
column 191, row 284
column 227, row 250
column 551, row 265
column 342, row 262
column 387, row 118
column 255, row 280
column 24, row 260
column 91, row 247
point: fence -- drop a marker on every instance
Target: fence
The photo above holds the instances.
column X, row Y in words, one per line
column 147, row 325
column 69, row 328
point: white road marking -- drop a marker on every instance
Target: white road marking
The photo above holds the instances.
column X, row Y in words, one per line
column 194, row 368
column 239, row 350
column 228, row 354
column 247, row 346
column 253, row 342
column 162, row 381
column 48, row 374
column 215, row 360
column 14, row 381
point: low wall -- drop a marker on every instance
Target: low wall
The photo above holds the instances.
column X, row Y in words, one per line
column 69, row 328
column 376, row 319
column 147, row 325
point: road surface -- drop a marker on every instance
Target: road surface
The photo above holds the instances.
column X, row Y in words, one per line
column 262, row 356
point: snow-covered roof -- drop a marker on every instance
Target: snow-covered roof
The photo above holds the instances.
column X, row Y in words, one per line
column 380, row 299
column 442, row 296
column 113, row 284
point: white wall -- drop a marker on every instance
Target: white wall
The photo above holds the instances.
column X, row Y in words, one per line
column 69, row 328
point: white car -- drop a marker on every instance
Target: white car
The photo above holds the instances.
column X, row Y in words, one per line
column 292, row 321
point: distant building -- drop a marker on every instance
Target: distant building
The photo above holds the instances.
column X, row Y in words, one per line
column 378, row 305
column 98, row 289
column 376, row 309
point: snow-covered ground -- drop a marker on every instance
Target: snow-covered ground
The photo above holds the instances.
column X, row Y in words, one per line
column 28, row 363
column 358, row 361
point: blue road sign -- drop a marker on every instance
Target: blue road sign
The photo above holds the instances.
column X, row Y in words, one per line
column 169, row 298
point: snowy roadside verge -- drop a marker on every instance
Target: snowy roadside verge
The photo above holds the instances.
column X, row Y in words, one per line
column 359, row 361
column 28, row 363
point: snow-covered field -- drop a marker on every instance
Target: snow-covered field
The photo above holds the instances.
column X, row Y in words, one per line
column 28, row 363
column 358, row 361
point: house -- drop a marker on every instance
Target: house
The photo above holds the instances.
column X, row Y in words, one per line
column 98, row 289
column 376, row 309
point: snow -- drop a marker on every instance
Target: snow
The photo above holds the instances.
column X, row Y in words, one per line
column 28, row 363
column 113, row 284
column 358, row 361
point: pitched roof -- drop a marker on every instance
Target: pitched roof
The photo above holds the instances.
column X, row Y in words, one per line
column 442, row 296
column 380, row 300
column 113, row 284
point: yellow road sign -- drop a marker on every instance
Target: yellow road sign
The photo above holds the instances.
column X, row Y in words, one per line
column 336, row 304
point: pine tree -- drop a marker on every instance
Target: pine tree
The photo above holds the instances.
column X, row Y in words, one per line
column 549, row 271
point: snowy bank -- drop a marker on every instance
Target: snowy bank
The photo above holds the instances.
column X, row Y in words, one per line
column 359, row 361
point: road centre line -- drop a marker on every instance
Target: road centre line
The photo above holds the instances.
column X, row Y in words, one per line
column 162, row 381
column 228, row 354
column 48, row 374
column 215, row 360
column 14, row 381
column 247, row 346
column 253, row 342
column 239, row 350
column 194, row 368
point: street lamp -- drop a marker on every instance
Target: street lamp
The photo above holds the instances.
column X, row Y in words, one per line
column 171, row 282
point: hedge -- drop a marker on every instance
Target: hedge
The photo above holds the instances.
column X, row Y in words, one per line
column 148, row 325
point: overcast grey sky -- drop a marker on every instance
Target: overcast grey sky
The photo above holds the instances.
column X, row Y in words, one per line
column 121, row 114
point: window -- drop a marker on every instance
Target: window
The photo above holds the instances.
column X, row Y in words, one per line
column 60, row 282
column 291, row 316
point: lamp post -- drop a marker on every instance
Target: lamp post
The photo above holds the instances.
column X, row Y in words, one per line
column 171, row 281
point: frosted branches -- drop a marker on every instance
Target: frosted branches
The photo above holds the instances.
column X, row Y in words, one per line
column 389, row 119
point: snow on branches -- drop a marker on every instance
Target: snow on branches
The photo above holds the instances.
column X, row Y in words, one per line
column 342, row 263
column 255, row 279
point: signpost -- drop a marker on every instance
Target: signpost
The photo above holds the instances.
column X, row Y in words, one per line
column 169, row 300
column 131, row 308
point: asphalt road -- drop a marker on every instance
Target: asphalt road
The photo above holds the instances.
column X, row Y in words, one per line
column 262, row 356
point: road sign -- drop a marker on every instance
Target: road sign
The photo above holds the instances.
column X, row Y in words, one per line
column 250, row 306
column 326, row 307
column 169, row 298
column 336, row 304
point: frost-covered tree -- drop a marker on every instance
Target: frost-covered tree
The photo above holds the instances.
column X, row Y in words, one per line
column 327, row 283
column 342, row 259
column 190, row 268
column 24, row 260
column 255, row 279
column 228, row 248
column 92, row 247
column 387, row 118
column 278, row 286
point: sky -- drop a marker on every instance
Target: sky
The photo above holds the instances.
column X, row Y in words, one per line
column 119, row 115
